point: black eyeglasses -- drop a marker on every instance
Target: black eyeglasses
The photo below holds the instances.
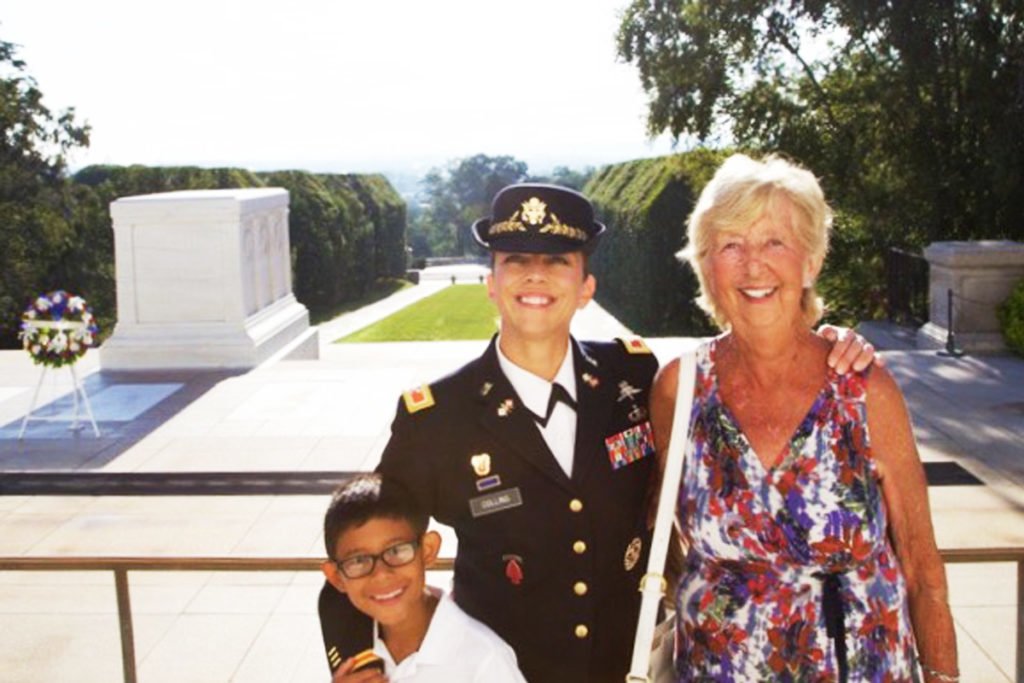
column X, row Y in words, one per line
column 397, row 555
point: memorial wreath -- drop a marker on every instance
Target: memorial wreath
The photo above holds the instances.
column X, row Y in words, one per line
column 57, row 329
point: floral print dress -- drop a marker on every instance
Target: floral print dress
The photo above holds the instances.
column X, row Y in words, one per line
column 789, row 569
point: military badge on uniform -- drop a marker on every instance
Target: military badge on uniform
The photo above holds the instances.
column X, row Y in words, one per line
column 630, row 445
column 481, row 463
column 627, row 391
column 418, row 399
column 485, row 388
column 505, row 407
column 592, row 382
column 488, row 483
column 635, row 345
column 513, row 568
column 632, row 555
column 637, row 414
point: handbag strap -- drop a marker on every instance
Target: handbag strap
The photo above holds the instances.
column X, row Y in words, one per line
column 653, row 584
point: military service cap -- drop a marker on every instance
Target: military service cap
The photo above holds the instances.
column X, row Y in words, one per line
column 535, row 218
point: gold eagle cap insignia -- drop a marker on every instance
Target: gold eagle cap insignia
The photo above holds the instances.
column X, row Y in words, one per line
column 534, row 211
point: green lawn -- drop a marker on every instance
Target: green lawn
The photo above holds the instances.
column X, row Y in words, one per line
column 456, row 312
column 382, row 288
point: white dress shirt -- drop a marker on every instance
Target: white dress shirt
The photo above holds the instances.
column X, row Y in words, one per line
column 455, row 648
column 535, row 392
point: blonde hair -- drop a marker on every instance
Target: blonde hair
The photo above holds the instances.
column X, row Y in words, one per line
column 741, row 191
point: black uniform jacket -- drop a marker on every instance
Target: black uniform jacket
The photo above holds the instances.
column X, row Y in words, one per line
column 552, row 563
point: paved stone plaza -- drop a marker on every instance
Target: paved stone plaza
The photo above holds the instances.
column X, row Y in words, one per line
column 332, row 416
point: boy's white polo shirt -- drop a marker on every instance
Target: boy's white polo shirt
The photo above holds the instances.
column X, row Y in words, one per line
column 456, row 647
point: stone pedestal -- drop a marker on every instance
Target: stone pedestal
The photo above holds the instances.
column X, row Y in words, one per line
column 981, row 276
column 203, row 281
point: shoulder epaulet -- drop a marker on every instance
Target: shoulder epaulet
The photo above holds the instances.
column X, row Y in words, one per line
column 418, row 399
column 634, row 345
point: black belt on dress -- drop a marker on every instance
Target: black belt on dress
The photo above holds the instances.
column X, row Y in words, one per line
column 835, row 625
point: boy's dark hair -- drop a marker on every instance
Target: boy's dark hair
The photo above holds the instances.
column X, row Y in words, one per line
column 366, row 497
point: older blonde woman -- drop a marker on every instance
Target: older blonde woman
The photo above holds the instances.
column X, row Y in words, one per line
column 804, row 506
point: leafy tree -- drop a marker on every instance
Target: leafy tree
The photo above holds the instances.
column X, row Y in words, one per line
column 35, row 202
column 458, row 195
column 912, row 112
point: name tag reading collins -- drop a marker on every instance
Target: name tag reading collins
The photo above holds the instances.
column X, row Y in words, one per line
column 495, row 502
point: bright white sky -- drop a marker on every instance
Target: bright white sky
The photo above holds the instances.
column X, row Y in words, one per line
column 336, row 85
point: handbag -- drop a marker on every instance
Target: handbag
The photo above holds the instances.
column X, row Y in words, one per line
column 644, row 669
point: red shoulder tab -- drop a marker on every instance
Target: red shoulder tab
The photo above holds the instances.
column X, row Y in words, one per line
column 635, row 345
column 418, row 399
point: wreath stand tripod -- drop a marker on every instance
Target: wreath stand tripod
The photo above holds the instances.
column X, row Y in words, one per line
column 79, row 397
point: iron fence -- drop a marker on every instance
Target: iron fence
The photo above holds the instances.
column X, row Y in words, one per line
column 120, row 566
column 906, row 278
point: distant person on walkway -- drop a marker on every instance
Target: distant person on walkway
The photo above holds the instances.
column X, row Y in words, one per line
column 539, row 453
column 378, row 550
column 804, row 505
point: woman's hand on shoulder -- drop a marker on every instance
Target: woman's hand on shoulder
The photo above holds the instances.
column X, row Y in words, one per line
column 849, row 350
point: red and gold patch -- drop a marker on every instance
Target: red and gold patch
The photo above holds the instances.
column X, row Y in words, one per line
column 418, row 399
column 635, row 345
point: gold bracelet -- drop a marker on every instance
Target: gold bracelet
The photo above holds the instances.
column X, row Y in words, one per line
column 939, row 675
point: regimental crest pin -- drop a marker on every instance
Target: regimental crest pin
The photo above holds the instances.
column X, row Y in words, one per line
column 513, row 568
column 481, row 463
column 505, row 407
column 592, row 382
column 632, row 555
column 485, row 388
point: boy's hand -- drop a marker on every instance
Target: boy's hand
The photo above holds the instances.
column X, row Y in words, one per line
column 849, row 350
column 344, row 674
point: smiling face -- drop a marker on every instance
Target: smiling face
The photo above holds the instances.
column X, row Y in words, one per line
column 756, row 274
column 390, row 595
column 537, row 295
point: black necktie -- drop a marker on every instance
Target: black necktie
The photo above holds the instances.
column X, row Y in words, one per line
column 558, row 393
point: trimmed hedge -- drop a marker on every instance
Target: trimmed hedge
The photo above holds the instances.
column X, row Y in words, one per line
column 645, row 204
column 386, row 210
column 1011, row 319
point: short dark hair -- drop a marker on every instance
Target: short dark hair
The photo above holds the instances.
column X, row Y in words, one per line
column 365, row 497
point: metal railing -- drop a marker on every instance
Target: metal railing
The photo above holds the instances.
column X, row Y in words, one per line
column 906, row 280
column 120, row 566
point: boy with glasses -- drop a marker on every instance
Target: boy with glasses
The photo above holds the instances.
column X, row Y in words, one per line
column 378, row 550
